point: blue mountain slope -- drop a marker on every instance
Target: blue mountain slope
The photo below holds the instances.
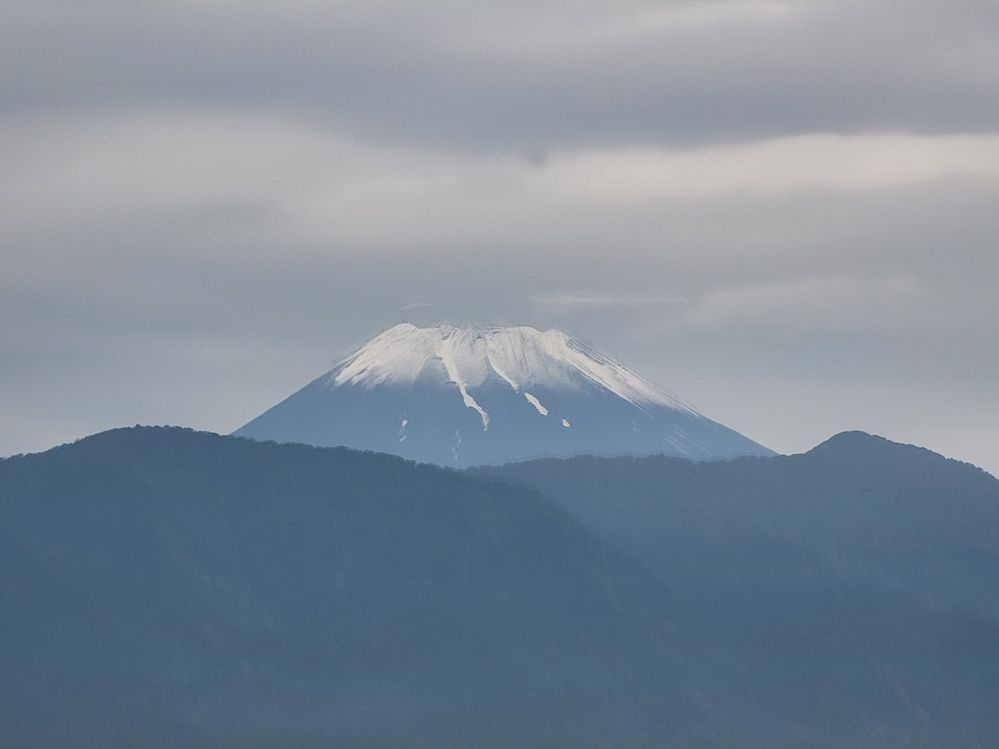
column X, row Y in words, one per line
column 467, row 396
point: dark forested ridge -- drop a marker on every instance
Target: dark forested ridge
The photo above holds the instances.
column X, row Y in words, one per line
column 162, row 587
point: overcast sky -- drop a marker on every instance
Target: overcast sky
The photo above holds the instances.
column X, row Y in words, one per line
column 787, row 213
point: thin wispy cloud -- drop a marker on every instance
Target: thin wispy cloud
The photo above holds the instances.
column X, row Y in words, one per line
column 601, row 300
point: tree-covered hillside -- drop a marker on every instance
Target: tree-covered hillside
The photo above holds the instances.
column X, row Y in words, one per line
column 161, row 588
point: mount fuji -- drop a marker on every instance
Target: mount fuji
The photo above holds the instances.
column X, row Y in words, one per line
column 465, row 396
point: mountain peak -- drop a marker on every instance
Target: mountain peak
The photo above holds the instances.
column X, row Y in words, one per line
column 848, row 438
column 854, row 441
column 520, row 356
column 857, row 446
column 464, row 394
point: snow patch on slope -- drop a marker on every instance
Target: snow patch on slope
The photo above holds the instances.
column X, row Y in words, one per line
column 536, row 403
column 450, row 354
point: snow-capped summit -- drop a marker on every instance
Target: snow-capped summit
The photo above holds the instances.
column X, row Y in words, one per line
column 523, row 357
column 468, row 395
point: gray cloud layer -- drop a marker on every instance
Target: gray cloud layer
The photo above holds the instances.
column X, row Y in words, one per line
column 522, row 75
column 783, row 211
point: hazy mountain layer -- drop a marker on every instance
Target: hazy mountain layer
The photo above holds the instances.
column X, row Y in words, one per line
column 857, row 508
column 862, row 566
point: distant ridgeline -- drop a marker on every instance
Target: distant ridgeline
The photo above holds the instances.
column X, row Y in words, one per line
column 490, row 395
column 163, row 588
